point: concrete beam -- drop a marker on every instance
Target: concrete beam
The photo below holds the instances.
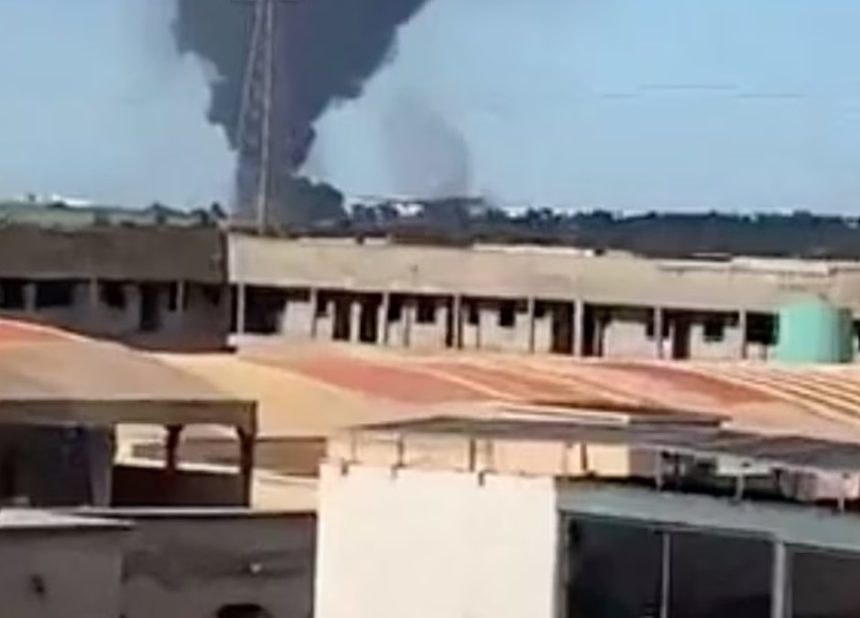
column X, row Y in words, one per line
column 382, row 326
column 665, row 572
column 406, row 319
column 457, row 321
column 30, row 297
column 241, row 300
column 93, row 303
column 172, row 438
column 780, row 595
column 314, row 303
column 355, row 307
column 532, row 310
column 579, row 328
column 247, row 461
column 659, row 318
column 181, row 294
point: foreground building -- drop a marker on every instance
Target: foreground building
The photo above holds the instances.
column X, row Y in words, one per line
column 198, row 563
column 592, row 515
column 108, row 534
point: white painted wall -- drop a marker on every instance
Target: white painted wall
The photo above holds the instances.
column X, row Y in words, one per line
column 727, row 349
column 429, row 335
column 626, row 338
column 543, row 334
column 435, row 544
column 297, row 319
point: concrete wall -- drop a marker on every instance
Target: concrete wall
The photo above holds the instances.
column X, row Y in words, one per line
column 297, row 319
column 138, row 486
column 54, row 466
column 428, row 334
column 426, row 544
column 189, row 565
column 65, row 572
column 626, row 337
column 728, row 348
column 755, row 285
column 199, row 314
column 117, row 253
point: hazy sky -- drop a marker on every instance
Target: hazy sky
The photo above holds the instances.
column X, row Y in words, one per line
column 95, row 103
column 631, row 104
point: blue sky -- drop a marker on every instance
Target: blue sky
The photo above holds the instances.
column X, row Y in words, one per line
column 627, row 104
column 95, row 103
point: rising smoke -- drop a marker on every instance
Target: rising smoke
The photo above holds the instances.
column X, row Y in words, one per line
column 98, row 104
column 326, row 50
column 619, row 104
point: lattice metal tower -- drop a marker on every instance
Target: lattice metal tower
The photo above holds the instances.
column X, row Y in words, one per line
column 254, row 128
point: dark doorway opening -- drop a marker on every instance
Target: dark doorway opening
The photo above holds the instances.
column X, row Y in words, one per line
column 368, row 324
column 681, row 324
column 342, row 327
column 150, row 310
column 562, row 328
column 264, row 310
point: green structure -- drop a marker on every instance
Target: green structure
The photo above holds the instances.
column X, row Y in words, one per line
column 814, row 331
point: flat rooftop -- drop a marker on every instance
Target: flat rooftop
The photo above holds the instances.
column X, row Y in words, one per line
column 48, row 376
column 21, row 519
column 314, row 390
column 790, row 452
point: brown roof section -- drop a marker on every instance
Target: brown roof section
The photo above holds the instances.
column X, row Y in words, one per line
column 47, row 375
column 316, row 389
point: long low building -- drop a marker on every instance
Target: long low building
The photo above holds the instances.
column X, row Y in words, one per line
column 190, row 286
column 522, row 298
column 159, row 286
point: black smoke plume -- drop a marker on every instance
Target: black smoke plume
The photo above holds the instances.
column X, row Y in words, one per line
column 325, row 51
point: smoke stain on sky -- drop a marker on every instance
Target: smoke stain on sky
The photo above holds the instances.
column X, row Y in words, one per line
column 632, row 105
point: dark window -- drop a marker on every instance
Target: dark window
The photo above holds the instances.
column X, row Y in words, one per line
column 113, row 294
column 761, row 328
column 508, row 314
column 540, row 310
column 714, row 330
column 426, row 311
column 12, row 294
column 473, row 314
column 395, row 309
column 321, row 310
column 212, row 294
column 55, row 294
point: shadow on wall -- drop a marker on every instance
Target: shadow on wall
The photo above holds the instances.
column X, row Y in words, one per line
column 137, row 486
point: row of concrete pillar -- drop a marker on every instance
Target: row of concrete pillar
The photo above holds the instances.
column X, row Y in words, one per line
column 584, row 333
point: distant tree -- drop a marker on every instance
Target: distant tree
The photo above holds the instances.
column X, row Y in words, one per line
column 217, row 211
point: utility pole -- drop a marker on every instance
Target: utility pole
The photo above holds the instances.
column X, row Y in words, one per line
column 255, row 110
